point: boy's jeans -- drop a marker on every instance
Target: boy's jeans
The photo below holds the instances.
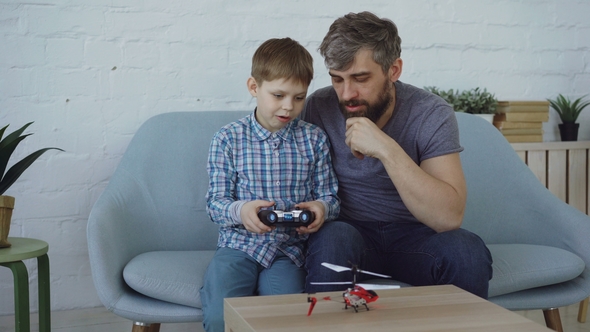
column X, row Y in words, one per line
column 233, row 273
column 410, row 252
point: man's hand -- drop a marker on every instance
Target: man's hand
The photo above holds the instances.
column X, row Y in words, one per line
column 249, row 215
column 318, row 209
column 364, row 138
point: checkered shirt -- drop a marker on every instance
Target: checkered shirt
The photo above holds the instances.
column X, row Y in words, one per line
column 247, row 162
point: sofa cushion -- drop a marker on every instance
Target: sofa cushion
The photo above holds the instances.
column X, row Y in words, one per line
column 172, row 276
column 524, row 266
column 177, row 276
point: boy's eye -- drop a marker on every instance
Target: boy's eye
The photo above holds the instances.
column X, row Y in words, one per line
column 300, row 98
column 278, row 96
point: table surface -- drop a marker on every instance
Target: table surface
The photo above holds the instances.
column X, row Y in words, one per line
column 23, row 248
column 431, row 308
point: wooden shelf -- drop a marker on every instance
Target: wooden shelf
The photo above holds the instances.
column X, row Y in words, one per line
column 551, row 146
column 562, row 167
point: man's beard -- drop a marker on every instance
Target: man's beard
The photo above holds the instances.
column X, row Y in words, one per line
column 372, row 111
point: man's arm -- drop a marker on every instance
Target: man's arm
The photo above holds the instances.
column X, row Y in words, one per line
column 434, row 192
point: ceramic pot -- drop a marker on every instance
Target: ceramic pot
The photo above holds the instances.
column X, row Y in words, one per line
column 6, row 207
column 568, row 131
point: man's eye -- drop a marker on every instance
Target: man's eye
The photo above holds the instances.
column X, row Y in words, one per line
column 278, row 96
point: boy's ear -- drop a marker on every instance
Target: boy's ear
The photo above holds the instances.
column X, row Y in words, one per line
column 252, row 86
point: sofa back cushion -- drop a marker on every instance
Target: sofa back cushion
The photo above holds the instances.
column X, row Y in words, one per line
column 166, row 161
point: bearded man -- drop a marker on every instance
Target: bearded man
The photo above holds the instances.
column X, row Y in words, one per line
column 395, row 150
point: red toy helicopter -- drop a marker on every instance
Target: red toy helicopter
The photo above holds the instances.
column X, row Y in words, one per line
column 355, row 296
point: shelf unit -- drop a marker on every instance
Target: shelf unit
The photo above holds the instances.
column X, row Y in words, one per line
column 563, row 168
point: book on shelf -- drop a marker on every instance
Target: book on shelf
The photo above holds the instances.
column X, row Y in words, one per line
column 522, row 106
column 522, row 116
column 522, row 131
column 524, row 138
column 517, row 125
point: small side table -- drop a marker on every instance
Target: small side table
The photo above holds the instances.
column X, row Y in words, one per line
column 12, row 258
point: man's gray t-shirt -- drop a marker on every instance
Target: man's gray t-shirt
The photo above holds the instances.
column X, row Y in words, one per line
column 423, row 124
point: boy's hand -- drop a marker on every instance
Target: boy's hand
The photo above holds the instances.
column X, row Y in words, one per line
column 249, row 215
column 318, row 209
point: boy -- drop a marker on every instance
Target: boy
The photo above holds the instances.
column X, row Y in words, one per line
column 267, row 159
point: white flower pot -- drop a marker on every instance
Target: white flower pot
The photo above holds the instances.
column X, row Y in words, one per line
column 488, row 117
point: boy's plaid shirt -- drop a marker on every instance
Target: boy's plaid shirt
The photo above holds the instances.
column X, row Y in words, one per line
column 247, row 162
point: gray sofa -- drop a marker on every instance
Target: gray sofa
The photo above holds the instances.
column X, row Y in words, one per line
column 150, row 239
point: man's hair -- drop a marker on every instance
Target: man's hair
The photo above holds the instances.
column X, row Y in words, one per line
column 353, row 32
column 282, row 58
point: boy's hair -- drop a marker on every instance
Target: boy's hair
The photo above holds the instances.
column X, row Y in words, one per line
column 282, row 58
column 353, row 32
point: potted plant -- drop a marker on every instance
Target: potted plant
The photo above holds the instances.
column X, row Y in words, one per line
column 7, row 146
column 474, row 101
column 568, row 113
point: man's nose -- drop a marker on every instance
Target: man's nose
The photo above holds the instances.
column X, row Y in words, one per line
column 349, row 91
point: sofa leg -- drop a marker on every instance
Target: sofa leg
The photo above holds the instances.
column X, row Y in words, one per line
column 552, row 319
column 143, row 327
column 583, row 310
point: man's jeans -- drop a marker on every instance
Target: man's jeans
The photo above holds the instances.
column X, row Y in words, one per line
column 410, row 252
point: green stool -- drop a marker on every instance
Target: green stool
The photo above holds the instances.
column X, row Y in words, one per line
column 12, row 257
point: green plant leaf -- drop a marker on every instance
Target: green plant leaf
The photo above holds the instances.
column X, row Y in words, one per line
column 2, row 131
column 7, row 149
column 568, row 111
column 14, row 134
column 17, row 169
column 8, row 145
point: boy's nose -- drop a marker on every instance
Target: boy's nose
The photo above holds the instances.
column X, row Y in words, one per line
column 287, row 104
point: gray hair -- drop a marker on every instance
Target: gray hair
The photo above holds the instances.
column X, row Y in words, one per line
column 353, row 32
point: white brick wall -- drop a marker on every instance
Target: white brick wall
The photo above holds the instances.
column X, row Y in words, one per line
column 90, row 72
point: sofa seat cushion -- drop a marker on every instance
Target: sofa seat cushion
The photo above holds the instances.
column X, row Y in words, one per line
column 523, row 266
column 172, row 276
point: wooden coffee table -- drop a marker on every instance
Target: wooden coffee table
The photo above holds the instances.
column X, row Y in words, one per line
column 432, row 308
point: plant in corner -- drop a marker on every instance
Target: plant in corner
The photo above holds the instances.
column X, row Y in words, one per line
column 7, row 146
column 568, row 113
column 474, row 101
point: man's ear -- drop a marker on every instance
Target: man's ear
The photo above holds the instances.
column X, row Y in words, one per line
column 395, row 71
column 252, row 86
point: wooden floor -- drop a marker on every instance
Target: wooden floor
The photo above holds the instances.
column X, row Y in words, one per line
column 99, row 319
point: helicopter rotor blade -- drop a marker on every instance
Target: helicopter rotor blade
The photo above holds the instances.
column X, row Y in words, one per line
column 335, row 267
column 365, row 286
column 332, row 283
column 378, row 286
column 339, row 268
column 373, row 273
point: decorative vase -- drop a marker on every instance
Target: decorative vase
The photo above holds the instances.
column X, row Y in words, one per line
column 6, row 207
column 569, row 131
